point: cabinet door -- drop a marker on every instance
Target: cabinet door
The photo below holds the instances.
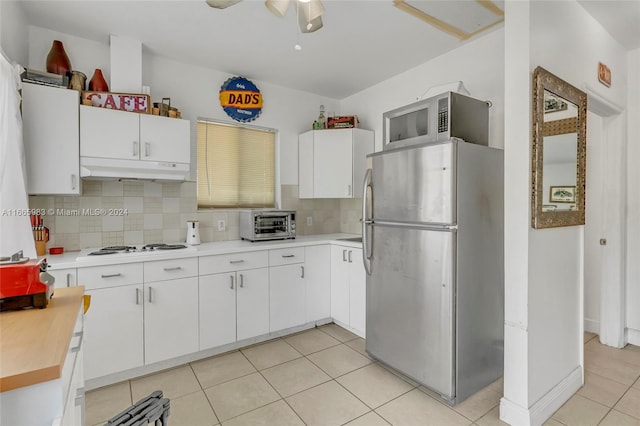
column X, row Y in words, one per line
column 317, row 279
column 333, row 163
column 107, row 133
column 340, row 284
column 51, row 139
column 252, row 303
column 170, row 319
column 286, row 296
column 357, row 291
column 217, row 308
column 305, row 165
column 65, row 277
column 113, row 339
column 165, row 139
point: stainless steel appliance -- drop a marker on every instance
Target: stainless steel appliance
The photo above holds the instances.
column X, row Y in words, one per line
column 433, row 251
column 439, row 118
column 267, row 224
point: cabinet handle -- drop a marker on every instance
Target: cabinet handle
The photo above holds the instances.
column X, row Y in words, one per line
column 344, row 255
column 137, row 296
column 79, row 397
column 241, row 281
column 236, row 261
column 302, row 274
column 150, row 294
column 77, row 348
column 176, row 268
column 68, row 280
column 147, row 149
column 231, row 286
column 349, row 190
column 288, row 255
column 350, row 256
column 111, row 275
column 74, row 182
column 135, row 148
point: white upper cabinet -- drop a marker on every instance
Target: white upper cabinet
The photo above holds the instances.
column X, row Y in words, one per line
column 331, row 163
column 106, row 133
column 51, row 135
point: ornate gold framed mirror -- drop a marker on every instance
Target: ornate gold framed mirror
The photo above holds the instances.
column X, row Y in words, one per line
column 558, row 152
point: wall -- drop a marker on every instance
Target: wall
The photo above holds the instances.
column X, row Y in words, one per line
column 13, row 31
column 159, row 211
column 633, row 200
column 478, row 64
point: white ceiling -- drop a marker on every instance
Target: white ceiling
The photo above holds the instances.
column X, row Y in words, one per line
column 363, row 42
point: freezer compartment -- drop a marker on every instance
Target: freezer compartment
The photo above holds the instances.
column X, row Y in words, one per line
column 410, row 313
column 415, row 184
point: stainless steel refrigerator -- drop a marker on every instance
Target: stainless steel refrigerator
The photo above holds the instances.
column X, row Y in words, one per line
column 433, row 251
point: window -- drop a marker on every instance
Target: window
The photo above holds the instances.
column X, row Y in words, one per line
column 235, row 166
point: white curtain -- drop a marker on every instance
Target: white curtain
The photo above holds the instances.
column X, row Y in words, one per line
column 15, row 226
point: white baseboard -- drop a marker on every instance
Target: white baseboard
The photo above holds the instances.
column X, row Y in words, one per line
column 592, row 326
column 633, row 336
column 544, row 408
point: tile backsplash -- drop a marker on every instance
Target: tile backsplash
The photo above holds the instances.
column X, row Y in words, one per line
column 136, row 213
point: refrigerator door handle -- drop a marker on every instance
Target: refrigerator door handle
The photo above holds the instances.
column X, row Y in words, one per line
column 366, row 221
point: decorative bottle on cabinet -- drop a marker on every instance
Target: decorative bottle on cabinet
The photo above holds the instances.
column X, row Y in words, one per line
column 97, row 82
column 57, row 59
column 322, row 121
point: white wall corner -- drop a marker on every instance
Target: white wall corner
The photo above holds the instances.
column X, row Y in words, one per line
column 544, row 408
column 592, row 326
column 126, row 64
column 632, row 336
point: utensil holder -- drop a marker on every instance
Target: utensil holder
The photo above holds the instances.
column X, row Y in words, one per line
column 41, row 248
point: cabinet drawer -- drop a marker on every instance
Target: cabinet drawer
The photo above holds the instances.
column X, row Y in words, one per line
column 170, row 269
column 233, row 262
column 286, row 256
column 110, row 276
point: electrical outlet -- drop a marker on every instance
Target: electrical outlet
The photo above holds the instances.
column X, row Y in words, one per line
column 309, row 221
column 222, row 225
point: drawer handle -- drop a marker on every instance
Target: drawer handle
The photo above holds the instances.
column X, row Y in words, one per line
column 177, row 268
column 111, row 275
column 288, row 255
column 77, row 348
column 236, row 261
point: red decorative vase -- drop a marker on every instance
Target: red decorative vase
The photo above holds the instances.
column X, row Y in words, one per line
column 57, row 59
column 97, row 82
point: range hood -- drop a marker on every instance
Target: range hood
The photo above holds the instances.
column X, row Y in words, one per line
column 110, row 168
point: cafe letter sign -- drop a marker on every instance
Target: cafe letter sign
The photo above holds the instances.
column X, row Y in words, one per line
column 241, row 99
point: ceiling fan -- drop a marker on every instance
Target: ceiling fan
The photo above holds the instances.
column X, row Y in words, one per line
column 309, row 12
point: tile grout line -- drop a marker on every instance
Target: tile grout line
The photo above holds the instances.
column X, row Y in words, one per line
column 205, row 394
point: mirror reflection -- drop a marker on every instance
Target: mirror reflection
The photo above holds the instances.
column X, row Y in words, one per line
column 558, row 149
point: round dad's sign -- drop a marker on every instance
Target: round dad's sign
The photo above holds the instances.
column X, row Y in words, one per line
column 241, row 99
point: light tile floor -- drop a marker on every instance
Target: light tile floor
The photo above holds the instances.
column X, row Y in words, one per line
column 324, row 377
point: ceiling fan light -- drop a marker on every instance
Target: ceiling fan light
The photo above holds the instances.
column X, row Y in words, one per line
column 309, row 26
column 312, row 10
column 277, row 7
column 222, row 4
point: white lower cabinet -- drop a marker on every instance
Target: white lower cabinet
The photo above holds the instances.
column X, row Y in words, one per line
column 233, row 306
column 170, row 319
column 348, row 288
column 286, row 296
column 114, row 330
column 317, row 277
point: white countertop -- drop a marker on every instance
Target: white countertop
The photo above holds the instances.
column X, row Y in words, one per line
column 79, row 259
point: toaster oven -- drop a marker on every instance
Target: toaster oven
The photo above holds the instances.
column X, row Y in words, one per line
column 265, row 224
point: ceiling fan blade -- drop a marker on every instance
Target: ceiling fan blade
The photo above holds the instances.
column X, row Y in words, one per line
column 222, row 4
column 309, row 26
column 277, row 7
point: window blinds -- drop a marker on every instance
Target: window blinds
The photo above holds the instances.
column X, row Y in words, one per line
column 235, row 166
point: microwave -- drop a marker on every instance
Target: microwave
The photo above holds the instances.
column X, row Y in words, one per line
column 267, row 224
column 440, row 118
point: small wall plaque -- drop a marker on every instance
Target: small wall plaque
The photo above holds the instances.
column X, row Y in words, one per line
column 604, row 74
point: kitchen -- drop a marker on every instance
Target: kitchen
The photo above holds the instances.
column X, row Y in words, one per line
column 484, row 80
